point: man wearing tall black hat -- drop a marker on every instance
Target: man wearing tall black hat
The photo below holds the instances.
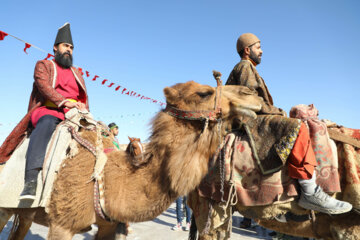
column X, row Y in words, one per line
column 296, row 152
column 58, row 87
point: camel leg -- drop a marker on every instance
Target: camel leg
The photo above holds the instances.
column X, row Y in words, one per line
column 121, row 231
column 106, row 231
column 59, row 233
column 22, row 229
column 4, row 217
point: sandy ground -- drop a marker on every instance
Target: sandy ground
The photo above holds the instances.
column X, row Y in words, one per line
column 159, row 228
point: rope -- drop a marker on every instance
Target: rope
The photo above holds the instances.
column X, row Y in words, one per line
column 97, row 151
column 85, row 143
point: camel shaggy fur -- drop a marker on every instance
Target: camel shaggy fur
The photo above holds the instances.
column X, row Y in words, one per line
column 176, row 159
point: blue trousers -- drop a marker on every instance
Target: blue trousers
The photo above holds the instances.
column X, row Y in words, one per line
column 179, row 212
column 39, row 140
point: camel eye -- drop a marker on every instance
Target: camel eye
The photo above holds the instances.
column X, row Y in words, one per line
column 205, row 94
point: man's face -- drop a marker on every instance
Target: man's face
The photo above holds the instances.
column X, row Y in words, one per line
column 115, row 131
column 63, row 54
column 256, row 53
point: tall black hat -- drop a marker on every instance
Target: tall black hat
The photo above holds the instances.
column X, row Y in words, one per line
column 64, row 35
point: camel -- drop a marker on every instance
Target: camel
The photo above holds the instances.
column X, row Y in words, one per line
column 21, row 225
column 308, row 223
column 176, row 159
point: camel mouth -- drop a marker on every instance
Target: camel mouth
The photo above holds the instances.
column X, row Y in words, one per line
column 249, row 107
column 248, row 110
column 247, row 113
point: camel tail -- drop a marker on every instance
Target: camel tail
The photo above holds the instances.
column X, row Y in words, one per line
column 14, row 227
column 193, row 229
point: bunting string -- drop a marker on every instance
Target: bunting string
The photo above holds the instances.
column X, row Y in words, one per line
column 105, row 82
column 138, row 116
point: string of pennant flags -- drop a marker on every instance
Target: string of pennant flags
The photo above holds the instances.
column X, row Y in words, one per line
column 105, row 82
column 115, row 117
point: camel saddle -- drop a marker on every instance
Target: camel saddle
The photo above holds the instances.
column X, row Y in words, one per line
column 243, row 155
column 61, row 146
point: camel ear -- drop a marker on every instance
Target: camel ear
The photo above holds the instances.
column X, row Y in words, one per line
column 171, row 94
column 129, row 138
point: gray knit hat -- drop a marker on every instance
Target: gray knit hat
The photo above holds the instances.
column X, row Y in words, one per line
column 246, row 40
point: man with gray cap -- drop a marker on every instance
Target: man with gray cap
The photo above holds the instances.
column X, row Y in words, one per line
column 58, row 87
column 298, row 155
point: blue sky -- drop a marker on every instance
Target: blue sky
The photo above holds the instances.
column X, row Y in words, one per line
column 310, row 54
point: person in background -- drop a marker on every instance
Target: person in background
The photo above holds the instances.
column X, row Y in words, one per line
column 179, row 214
column 114, row 131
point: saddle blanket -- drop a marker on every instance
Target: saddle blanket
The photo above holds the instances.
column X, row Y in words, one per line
column 13, row 172
column 252, row 187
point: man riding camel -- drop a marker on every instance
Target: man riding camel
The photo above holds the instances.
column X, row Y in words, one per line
column 301, row 161
column 58, row 87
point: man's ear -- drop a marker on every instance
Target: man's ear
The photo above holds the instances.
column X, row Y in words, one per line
column 247, row 51
column 55, row 48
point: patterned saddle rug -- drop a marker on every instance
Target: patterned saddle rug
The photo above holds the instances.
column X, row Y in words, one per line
column 253, row 187
column 60, row 146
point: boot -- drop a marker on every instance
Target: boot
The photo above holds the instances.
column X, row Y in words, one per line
column 29, row 190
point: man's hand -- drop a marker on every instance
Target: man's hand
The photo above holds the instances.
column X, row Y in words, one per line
column 78, row 105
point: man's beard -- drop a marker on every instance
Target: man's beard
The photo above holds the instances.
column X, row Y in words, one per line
column 254, row 57
column 63, row 59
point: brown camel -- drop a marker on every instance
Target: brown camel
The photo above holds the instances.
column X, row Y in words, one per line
column 179, row 149
column 22, row 223
column 307, row 224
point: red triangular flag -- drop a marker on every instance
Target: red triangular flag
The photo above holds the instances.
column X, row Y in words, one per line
column 81, row 72
column 48, row 56
column 27, row 45
column 87, row 73
column 2, row 35
column 95, row 77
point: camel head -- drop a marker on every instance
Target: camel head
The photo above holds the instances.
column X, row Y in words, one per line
column 136, row 149
column 234, row 101
column 187, row 132
column 135, row 146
